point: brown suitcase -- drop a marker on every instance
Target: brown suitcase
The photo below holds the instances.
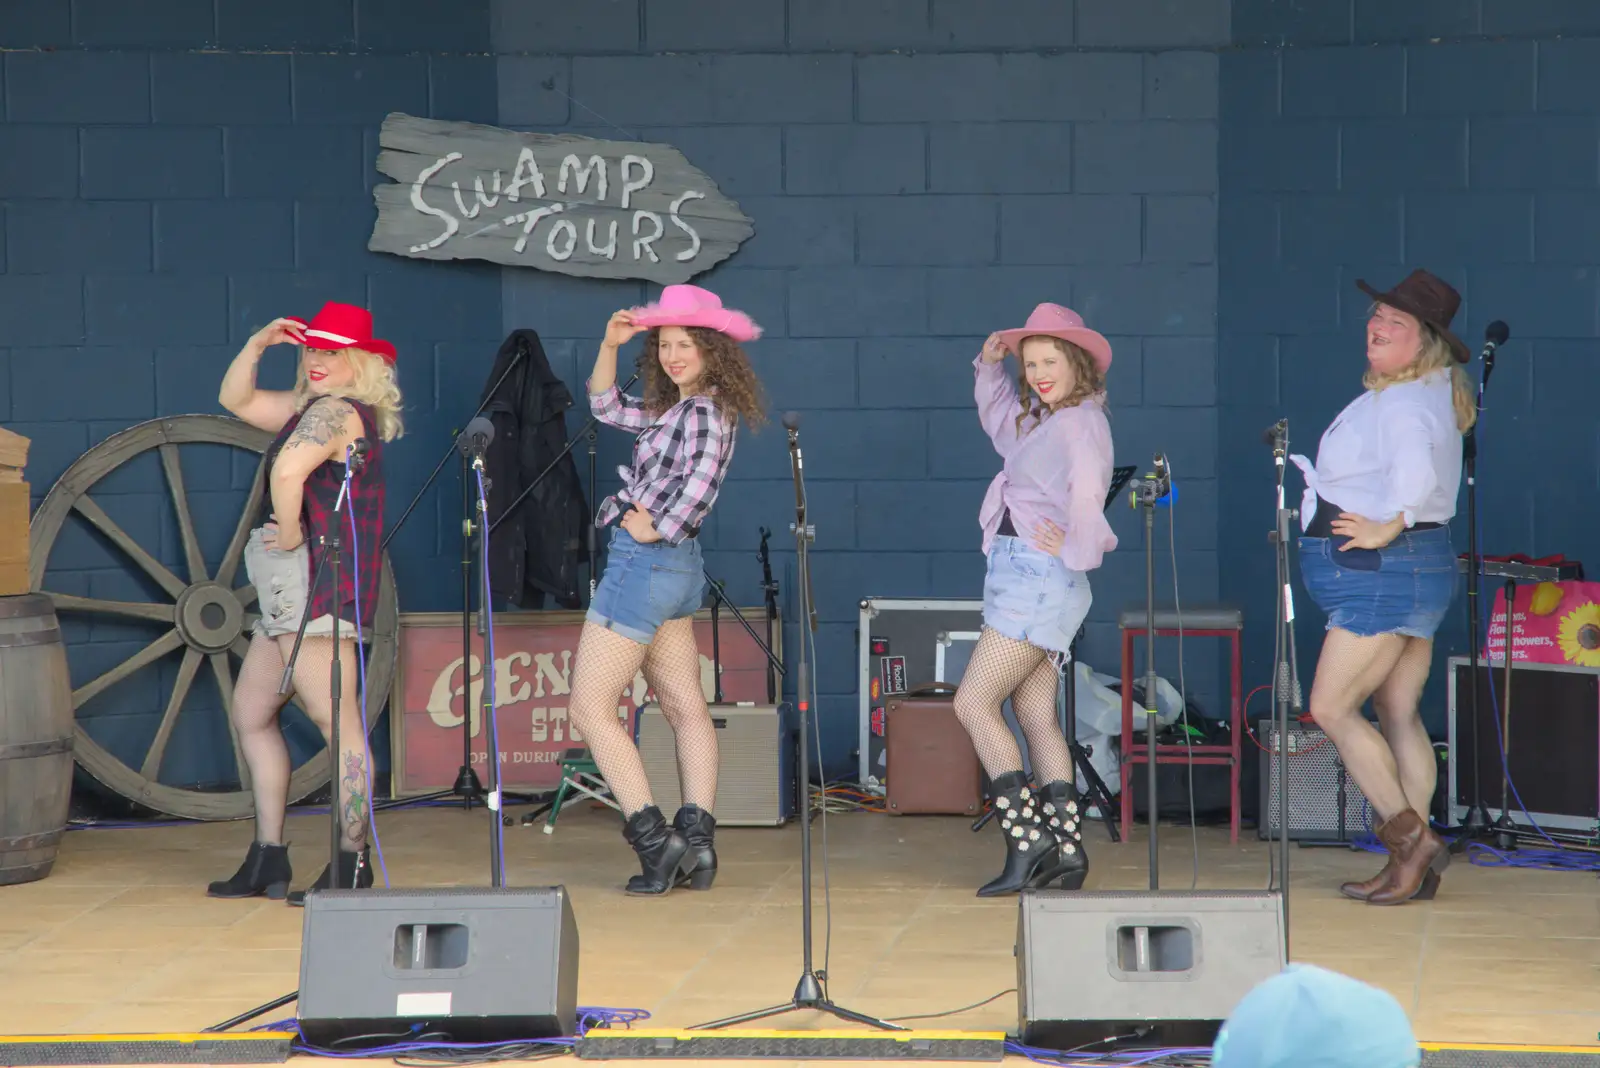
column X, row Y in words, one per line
column 932, row 767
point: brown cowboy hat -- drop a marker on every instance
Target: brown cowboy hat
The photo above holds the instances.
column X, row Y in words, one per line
column 1431, row 299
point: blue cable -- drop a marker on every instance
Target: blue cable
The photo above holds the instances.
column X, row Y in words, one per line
column 489, row 680
column 361, row 667
column 589, row 1018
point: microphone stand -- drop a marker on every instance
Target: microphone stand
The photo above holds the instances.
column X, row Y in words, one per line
column 1476, row 822
column 467, row 786
column 1147, row 491
column 355, row 459
column 808, row 993
column 770, row 588
column 1285, row 672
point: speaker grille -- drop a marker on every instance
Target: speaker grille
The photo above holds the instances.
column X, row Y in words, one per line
column 1316, row 777
column 751, row 748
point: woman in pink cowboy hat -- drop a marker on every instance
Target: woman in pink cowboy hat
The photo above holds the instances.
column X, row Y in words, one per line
column 698, row 386
column 1044, row 527
column 345, row 392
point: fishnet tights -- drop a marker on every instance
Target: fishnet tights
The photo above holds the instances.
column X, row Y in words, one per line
column 607, row 664
column 256, row 705
column 1001, row 668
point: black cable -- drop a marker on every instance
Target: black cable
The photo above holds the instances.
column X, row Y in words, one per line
column 953, row 1012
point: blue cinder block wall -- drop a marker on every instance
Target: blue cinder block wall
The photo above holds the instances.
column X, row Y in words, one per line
column 1361, row 139
column 921, row 174
column 1204, row 181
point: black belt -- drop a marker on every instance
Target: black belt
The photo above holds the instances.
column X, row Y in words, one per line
column 1321, row 525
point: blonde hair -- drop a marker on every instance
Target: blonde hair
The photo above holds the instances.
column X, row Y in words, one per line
column 1435, row 355
column 375, row 386
column 1087, row 381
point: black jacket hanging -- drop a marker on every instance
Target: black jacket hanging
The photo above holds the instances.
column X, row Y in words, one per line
column 536, row 552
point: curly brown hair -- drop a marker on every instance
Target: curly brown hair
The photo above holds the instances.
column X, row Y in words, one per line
column 726, row 375
column 1086, row 381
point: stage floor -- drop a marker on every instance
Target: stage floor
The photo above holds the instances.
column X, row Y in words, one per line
column 121, row 938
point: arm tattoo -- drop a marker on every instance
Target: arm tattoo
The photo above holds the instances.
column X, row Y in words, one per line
column 322, row 422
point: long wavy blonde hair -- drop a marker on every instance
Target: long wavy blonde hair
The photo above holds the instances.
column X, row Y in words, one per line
column 1435, row 355
column 1088, row 384
column 375, row 385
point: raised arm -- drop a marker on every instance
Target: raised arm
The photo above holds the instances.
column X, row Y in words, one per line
column 265, row 409
column 1081, row 484
column 705, row 435
column 606, row 402
column 996, row 395
column 328, row 427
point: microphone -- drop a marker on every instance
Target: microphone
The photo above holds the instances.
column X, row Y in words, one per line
column 1277, row 436
column 1495, row 335
column 475, row 439
column 356, row 457
column 791, row 422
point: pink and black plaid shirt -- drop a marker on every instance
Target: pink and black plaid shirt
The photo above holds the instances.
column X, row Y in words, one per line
column 679, row 460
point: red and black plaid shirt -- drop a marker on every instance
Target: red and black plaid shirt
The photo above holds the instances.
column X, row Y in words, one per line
column 365, row 507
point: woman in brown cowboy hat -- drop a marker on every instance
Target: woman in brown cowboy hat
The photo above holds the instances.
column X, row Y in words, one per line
column 1377, row 559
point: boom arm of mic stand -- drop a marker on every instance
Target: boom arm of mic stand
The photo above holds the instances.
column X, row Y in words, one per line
column 551, row 466
column 394, row 529
column 718, row 592
column 802, row 525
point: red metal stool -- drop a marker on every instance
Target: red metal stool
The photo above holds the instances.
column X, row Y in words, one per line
column 1205, row 622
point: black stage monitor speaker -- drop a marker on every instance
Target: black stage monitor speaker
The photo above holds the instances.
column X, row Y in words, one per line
column 1153, row 964
column 473, row 963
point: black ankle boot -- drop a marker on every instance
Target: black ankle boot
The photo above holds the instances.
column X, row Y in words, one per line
column 1063, row 818
column 663, row 852
column 1030, row 848
column 698, row 828
column 355, row 872
column 265, row 871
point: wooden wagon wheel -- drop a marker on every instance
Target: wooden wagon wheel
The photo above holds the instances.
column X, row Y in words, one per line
column 207, row 620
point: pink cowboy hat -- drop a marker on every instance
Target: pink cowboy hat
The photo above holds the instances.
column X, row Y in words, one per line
column 693, row 306
column 1052, row 320
column 342, row 326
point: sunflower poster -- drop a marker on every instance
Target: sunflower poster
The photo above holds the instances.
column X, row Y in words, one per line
column 1552, row 623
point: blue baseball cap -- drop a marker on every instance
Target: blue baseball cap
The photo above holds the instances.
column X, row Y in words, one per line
column 1309, row 1017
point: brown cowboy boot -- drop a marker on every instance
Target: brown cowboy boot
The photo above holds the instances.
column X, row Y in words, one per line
column 1363, row 891
column 1414, row 852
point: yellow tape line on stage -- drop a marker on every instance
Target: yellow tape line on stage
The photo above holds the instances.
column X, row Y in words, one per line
column 1490, row 1047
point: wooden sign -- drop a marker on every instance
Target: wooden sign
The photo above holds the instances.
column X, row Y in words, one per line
column 555, row 202
column 533, row 654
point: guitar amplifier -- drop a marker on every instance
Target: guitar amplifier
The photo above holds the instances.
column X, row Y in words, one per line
column 756, row 780
column 1324, row 802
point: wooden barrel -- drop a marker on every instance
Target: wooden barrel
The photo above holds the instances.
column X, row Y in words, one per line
column 35, row 738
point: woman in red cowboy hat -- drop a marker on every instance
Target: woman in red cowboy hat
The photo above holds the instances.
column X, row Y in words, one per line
column 698, row 387
column 345, row 393
column 1044, row 529
column 1377, row 559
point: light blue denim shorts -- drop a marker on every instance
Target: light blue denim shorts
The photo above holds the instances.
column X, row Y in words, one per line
column 644, row 586
column 1403, row 588
column 1032, row 597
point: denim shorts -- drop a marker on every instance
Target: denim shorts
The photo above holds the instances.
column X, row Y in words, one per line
column 280, row 577
column 1032, row 597
column 1404, row 588
column 644, row 586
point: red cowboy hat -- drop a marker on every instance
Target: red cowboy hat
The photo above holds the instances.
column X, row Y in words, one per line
column 343, row 326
